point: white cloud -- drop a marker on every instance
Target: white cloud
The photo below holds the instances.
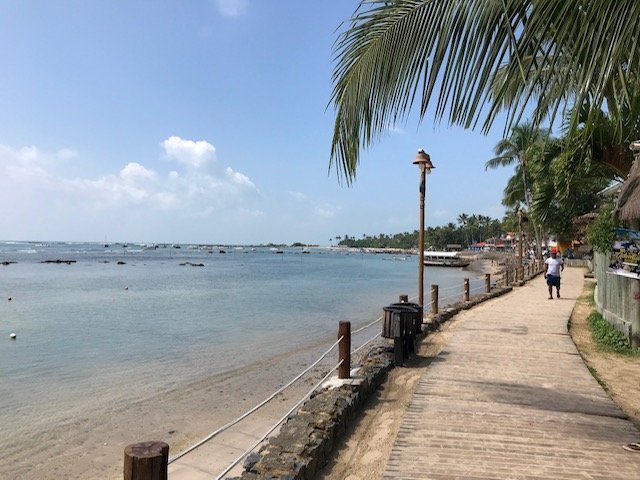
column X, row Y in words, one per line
column 238, row 178
column 25, row 165
column 189, row 153
column 301, row 197
column 251, row 213
column 325, row 210
column 134, row 172
column 231, row 8
column 317, row 208
column 66, row 154
column 394, row 129
column 198, row 186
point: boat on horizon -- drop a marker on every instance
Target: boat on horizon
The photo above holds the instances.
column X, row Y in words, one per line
column 445, row 259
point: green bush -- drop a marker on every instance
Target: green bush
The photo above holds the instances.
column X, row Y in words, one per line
column 608, row 338
column 601, row 233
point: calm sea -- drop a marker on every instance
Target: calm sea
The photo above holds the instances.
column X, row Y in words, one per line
column 82, row 327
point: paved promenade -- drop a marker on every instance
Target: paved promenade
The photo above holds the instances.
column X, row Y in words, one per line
column 510, row 398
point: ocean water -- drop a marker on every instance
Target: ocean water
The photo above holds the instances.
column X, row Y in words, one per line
column 83, row 328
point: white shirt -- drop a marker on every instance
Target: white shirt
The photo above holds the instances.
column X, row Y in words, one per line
column 554, row 265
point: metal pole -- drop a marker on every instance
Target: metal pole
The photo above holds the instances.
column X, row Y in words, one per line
column 520, row 240
column 421, row 240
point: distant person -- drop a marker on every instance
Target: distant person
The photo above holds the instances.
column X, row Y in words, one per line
column 554, row 266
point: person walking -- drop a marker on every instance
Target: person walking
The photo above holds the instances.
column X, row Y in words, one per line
column 554, row 266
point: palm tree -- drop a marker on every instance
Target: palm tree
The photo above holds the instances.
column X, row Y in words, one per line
column 463, row 218
column 471, row 59
column 524, row 147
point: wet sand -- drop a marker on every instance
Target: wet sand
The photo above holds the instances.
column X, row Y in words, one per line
column 93, row 447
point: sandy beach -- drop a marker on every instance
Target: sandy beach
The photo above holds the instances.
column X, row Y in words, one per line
column 180, row 417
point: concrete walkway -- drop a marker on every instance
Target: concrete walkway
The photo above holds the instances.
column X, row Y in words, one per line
column 510, row 398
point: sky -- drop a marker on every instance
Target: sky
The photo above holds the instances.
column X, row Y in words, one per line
column 205, row 121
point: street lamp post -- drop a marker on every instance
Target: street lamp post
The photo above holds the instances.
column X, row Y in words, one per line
column 424, row 163
column 520, row 244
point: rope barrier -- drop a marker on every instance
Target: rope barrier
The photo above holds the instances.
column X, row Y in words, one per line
column 366, row 343
column 366, row 326
column 280, row 390
column 451, row 296
column 245, row 415
column 297, row 405
column 447, row 288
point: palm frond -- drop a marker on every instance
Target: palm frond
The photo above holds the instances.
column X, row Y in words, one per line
column 470, row 59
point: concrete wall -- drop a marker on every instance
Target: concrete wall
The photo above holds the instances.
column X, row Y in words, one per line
column 618, row 299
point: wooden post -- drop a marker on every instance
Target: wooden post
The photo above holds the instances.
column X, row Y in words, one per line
column 146, row 461
column 434, row 299
column 398, row 340
column 403, row 298
column 344, row 349
column 487, row 282
column 466, row 289
column 506, row 277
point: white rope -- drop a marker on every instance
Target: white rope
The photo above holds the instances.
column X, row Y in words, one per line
column 445, row 289
column 317, row 385
column 450, row 296
column 366, row 343
column 242, row 417
column 366, row 326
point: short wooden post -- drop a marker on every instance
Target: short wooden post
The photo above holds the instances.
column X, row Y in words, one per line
column 398, row 339
column 434, row 299
column 403, row 298
column 344, row 349
column 487, row 282
column 466, row 289
column 146, row 461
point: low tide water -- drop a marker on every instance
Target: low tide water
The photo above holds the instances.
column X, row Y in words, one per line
column 97, row 332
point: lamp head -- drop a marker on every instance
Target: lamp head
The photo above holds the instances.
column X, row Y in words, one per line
column 423, row 161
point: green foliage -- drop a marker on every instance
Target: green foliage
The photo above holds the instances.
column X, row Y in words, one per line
column 608, row 338
column 601, row 233
column 464, row 61
column 472, row 228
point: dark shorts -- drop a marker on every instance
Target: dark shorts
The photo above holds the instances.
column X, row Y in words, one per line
column 553, row 281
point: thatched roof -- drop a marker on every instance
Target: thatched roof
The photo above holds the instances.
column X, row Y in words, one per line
column 628, row 207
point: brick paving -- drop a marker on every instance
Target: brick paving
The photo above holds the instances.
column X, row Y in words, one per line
column 510, row 398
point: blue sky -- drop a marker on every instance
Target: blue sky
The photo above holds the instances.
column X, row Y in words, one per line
column 204, row 122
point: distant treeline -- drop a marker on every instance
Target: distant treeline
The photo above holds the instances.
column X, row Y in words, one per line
column 471, row 228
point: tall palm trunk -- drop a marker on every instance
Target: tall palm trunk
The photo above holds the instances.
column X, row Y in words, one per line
column 528, row 200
